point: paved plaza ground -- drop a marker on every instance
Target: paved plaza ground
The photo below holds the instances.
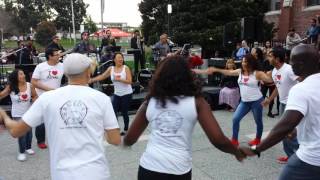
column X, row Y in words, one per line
column 208, row 162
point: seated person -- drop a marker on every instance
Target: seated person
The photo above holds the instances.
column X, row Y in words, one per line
column 229, row 94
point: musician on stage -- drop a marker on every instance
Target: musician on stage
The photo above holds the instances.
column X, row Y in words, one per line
column 137, row 44
column 84, row 47
column 55, row 44
column 106, row 47
column 24, row 58
column 162, row 47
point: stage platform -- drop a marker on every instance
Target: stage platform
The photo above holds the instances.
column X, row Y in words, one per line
column 210, row 93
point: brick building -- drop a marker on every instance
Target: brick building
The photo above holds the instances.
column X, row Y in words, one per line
column 292, row 14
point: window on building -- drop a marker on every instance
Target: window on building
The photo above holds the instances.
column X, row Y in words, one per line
column 275, row 5
column 313, row 2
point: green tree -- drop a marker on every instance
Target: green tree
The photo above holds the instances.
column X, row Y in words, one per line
column 45, row 31
column 196, row 21
column 90, row 25
column 28, row 13
column 63, row 20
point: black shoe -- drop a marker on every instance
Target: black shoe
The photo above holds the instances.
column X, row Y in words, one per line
column 277, row 114
column 271, row 115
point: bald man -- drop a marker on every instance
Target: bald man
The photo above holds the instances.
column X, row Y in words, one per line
column 302, row 111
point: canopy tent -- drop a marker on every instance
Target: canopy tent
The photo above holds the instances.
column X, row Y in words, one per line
column 114, row 32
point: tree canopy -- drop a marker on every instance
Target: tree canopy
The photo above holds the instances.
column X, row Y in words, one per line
column 29, row 13
column 195, row 21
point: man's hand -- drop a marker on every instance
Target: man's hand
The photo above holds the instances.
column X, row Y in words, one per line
column 265, row 102
column 240, row 156
column 247, row 151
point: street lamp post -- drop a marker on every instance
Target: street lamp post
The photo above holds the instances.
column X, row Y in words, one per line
column 73, row 24
column 169, row 8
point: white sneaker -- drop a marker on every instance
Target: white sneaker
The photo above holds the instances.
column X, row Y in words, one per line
column 21, row 157
column 30, row 152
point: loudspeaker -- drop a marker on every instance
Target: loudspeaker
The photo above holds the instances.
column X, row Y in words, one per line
column 248, row 28
column 259, row 29
column 230, row 35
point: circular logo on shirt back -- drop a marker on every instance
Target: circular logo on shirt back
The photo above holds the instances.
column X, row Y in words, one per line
column 73, row 113
column 168, row 122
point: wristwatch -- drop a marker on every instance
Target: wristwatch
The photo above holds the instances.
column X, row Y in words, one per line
column 254, row 150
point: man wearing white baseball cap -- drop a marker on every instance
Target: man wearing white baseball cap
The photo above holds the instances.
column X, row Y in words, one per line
column 78, row 119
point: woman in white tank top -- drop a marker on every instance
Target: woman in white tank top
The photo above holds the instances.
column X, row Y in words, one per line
column 122, row 79
column 22, row 94
column 173, row 106
column 250, row 93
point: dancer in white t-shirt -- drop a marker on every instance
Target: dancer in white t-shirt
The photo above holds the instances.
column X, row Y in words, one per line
column 302, row 112
column 47, row 76
column 174, row 105
column 122, row 79
column 284, row 79
column 251, row 96
column 80, row 118
column 22, row 94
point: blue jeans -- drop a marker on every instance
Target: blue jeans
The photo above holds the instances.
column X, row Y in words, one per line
column 296, row 169
column 122, row 103
column 24, row 141
column 290, row 146
column 243, row 109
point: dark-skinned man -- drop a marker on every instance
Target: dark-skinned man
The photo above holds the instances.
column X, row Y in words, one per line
column 302, row 112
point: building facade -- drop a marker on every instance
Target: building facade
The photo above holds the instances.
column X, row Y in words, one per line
column 292, row 14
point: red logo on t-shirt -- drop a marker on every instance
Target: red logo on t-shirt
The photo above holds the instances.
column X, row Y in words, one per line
column 54, row 72
column 246, row 79
column 278, row 77
column 24, row 97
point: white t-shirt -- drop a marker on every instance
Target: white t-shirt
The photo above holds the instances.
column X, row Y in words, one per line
column 120, row 88
column 169, row 147
column 76, row 118
column 48, row 75
column 20, row 102
column 305, row 98
column 249, row 87
column 284, row 79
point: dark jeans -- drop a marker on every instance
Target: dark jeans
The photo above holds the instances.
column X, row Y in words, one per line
column 122, row 103
column 145, row 174
column 24, row 141
column 138, row 57
column 243, row 109
column 264, row 91
column 290, row 146
column 296, row 169
column 41, row 133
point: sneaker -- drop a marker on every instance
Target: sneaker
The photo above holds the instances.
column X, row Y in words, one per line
column 283, row 159
column 254, row 142
column 270, row 115
column 30, row 152
column 123, row 133
column 235, row 142
column 21, row 157
column 42, row 145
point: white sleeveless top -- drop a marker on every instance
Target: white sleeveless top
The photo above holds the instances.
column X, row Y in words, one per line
column 120, row 88
column 249, row 87
column 169, row 147
column 20, row 102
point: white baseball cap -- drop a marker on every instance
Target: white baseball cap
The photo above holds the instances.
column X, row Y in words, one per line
column 75, row 63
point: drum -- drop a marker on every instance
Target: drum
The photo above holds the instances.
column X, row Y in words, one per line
column 144, row 76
